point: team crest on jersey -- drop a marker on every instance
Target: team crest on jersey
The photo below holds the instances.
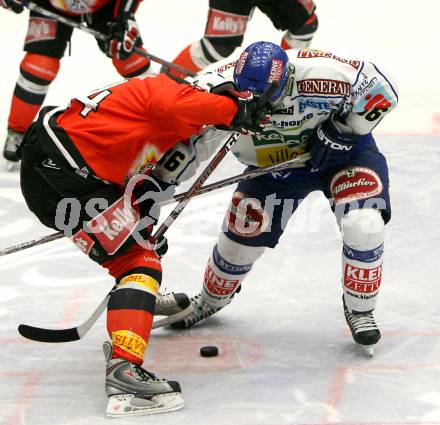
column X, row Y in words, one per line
column 144, row 163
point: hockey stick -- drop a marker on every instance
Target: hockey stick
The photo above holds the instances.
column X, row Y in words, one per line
column 247, row 175
column 81, row 26
column 74, row 334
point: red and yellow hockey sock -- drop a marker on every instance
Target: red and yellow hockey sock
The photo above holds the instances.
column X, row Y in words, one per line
column 130, row 316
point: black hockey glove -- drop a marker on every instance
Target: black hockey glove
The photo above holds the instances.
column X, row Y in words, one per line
column 160, row 246
column 252, row 113
column 15, row 5
column 148, row 194
column 330, row 148
column 251, row 116
column 124, row 36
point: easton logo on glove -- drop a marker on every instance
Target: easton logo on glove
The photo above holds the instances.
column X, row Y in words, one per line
column 330, row 143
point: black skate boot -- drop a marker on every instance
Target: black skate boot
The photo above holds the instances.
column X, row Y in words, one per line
column 12, row 143
column 133, row 391
column 363, row 328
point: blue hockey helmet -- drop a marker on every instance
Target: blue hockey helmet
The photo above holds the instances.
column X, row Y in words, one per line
column 259, row 65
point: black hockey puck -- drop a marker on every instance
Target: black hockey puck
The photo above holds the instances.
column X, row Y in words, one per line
column 209, row 351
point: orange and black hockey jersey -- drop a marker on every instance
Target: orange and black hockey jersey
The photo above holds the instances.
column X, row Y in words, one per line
column 121, row 130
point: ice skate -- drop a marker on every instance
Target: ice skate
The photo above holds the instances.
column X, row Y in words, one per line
column 170, row 303
column 10, row 150
column 200, row 311
column 364, row 329
column 133, row 391
column 174, row 306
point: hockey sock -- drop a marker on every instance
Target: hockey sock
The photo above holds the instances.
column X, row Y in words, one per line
column 130, row 316
column 363, row 234
column 302, row 37
column 36, row 73
column 131, row 307
column 185, row 60
column 227, row 267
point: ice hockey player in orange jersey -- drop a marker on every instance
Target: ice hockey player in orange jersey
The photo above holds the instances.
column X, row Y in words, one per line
column 76, row 165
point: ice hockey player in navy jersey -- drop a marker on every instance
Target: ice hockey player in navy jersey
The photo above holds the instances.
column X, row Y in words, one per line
column 326, row 108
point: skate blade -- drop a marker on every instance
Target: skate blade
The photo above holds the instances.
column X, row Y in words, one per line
column 124, row 405
column 368, row 350
column 173, row 318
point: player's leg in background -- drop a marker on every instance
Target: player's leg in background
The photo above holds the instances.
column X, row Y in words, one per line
column 361, row 203
column 296, row 17
column 45, row 44
column 256, row 218
column 135, row 65
column 225, row 28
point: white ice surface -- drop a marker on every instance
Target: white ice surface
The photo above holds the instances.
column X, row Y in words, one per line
column 286, row 356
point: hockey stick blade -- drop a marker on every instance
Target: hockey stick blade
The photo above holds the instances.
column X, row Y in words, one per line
column 65, row 335
column 49, row 335
column 75, row 334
